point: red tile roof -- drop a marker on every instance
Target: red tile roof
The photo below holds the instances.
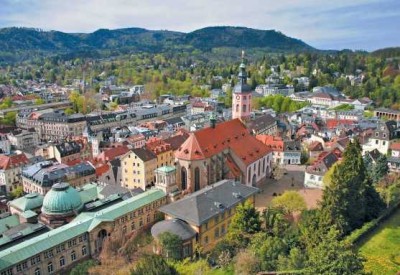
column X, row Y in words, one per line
column 11, row 161
column 334, row 123
column 231, row 134
column 275, row 143
column 157, row 145
column 113, row 153
column 395, row 146
column 315, row 146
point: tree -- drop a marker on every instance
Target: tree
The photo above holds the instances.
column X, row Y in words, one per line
column 332, row 256
column 350, row 199
column 17, row 192
column 83, row 268
column 268, row 249
column 171, row 245
column 380, row 169
column 39, row 101
column 290, row 201
column 246, row 221
column 296, row 260
column 69, row 111
column 153, row 265
column 246, row 262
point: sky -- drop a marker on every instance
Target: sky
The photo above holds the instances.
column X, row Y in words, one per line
column 334, row 24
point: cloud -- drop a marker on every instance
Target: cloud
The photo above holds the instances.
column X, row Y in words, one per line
column 327, row 24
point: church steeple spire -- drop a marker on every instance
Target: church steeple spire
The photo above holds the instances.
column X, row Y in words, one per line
column 242, row 72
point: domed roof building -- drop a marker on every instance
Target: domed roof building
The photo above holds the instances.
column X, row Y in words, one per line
column 61, row 204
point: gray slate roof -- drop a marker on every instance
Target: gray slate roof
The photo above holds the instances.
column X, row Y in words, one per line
column 205, row 204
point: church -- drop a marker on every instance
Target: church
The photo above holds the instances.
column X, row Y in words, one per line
column 225, row 150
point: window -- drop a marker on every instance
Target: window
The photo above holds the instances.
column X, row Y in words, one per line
column 244, row 108
column 133, row 226
column 222, row 229
column 35, row 260
column 148, row 219
column 48, row 254
column 37, row 271
column 140, row 222
column 206, row 240
column 196, row 179
column 73, row 255
column 237, row 107
column 7, row 272
column 206, row 226
column 384, row 143
column 216, row 232
column 50, row 267
column 376, row 141
column 216, row 219
column 124, row 229
column 84, row 250
column 62, row 261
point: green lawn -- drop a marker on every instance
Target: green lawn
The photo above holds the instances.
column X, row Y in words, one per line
column 382, row 249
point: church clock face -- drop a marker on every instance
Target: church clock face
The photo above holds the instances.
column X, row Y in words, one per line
column 237, row 97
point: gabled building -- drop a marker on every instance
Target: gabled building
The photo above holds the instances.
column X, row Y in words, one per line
column 138, row 167
column 41, row 176
column 394, row 158
column 203, row 217
column 23, row 139
column 284, row 151
column 263, row 125
column 162, row 150
column 315, row 172
column 224, row 150
column 382, row 137
column 10, row 171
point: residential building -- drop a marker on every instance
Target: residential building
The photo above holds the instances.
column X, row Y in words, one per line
column 138, row 167
column 10, row 171
column 224, row 150
column 263, row 125
column 5, row 144
column 65, row 152
column 383, row 135
column 314, row 173
column 23, row 139
column 283, row 151
column 394, row 158
column 211, row 211
column 162, row 150
column 41, row 176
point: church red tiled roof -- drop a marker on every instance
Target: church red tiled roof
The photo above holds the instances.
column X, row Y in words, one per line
column 231, row 135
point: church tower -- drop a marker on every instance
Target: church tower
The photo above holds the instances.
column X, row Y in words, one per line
column 241, row 95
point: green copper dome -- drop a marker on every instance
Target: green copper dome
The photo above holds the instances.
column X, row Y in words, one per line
column 62, row 199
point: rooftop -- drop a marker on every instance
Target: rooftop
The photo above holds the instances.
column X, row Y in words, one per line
column 208, row 202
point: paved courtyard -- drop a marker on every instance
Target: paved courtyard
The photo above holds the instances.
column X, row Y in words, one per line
column 292, row 179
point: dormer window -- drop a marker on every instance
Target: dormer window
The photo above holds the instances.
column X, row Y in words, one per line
column 384, row 135
column 377, row 134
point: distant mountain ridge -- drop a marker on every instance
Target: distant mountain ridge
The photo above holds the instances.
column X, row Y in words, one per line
column 25, row 41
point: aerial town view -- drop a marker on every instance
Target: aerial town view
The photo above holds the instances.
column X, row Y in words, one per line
column 199, row 137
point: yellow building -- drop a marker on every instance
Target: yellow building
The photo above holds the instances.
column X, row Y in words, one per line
column 207, row 212
column 138, row 167
column 162, row 150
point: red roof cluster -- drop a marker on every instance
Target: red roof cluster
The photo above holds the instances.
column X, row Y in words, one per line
column 157, row 145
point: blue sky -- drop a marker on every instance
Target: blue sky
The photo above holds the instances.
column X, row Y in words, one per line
column 334, row 24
